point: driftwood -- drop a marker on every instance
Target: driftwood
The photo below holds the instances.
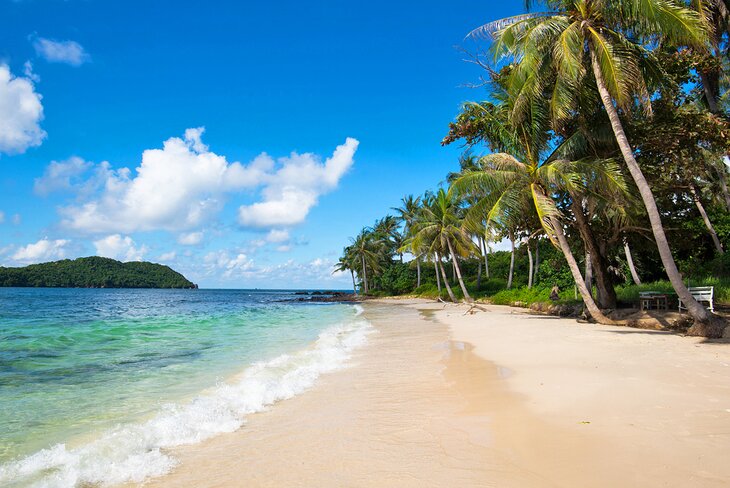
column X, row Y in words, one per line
column 472, row 310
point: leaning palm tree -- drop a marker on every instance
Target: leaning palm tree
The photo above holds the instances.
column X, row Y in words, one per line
column 559, row 47
column 441, row 230
column 408, row 212
column 366, row 252
column 347, row 262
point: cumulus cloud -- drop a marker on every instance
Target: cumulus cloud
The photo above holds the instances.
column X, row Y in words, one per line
column 226, row 265
column 190, row 239
column 68, row 52
column 43, row 250
column 21, row 112
column 292, row 190
column 277, row 235
column 168, row 256
column 62, row 176
column 181, row 186
column 120, row 248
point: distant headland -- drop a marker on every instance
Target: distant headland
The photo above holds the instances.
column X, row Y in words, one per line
column 94, row 272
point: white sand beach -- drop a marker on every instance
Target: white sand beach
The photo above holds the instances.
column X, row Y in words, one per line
column 498, row 398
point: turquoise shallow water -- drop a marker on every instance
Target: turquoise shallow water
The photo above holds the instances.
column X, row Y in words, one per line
column 95, row 384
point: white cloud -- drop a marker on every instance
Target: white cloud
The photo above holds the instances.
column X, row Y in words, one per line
column 2, row 217
column 295, row 187
column 277, row 235
column 183, row 185
column 284, row 248
column 43, row 250
column 16, row 219
column 120, row 248
column 68, row 52
column 226, row 265
column 61, row 176
column 28, row 72
column 168, row 256
column 190, row 239
column 21, row 112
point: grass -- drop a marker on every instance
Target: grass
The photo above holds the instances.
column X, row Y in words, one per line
column 629, row 294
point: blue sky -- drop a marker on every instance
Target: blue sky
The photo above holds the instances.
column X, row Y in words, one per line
column 241, row 144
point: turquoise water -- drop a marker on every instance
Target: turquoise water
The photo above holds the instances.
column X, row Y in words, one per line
column 95, row 384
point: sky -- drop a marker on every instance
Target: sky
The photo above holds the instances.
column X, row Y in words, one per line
column 240, row 143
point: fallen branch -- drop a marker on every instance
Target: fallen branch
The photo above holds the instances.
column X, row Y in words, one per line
column 475, row 306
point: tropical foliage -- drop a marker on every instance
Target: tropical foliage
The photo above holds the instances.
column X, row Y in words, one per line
column 599, row 152
column 94, row 272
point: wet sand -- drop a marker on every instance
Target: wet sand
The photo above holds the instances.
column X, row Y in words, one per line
column 439, row 398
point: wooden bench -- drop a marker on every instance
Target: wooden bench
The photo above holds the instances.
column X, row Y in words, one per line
column 701, row 294
column 653, row 300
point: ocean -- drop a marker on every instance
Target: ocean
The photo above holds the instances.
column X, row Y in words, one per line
column 96, row 385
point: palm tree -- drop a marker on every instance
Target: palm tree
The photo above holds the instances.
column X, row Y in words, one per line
column 366, row 251
column 346, row 262
column 441, row 230
column 408, row 212
column 555, row 47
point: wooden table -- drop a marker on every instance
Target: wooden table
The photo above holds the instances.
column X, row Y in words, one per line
column 654, row 301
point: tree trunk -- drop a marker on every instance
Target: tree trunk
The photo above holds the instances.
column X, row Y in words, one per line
column 604, row 284
column 354, row 285
column 486, row 258
column 537, row 261
column 709, row 92
column 589, row 274
column 706, row 219
column 511, row 261
column 529, row 257
column 575, row 271
column 446, row 280
column 630, row 262
column 438, row 279
column 418, row 271
column 457, row 268
column 697, row 311
column 364, row 276
column 479, row 274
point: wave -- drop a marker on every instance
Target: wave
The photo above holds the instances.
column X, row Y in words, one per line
column 135, row 452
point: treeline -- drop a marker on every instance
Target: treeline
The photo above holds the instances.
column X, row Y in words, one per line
column 94, row 272
column 602, row 140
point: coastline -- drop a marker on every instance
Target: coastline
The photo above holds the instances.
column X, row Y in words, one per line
column 497, row 398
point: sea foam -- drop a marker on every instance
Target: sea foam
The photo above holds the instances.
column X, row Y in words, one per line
column 135, row 452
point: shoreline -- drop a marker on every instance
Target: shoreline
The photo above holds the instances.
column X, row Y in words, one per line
column 497, row 398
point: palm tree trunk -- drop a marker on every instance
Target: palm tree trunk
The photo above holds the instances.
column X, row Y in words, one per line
column 589, row 274
column 364, row 275
column 438, row 279
column 457, row 268
column 511, row 262
column 710, row 97
column 706, row 219
column 599, row 265
column 446, row 280
column 697, row 311
column 529, row 257
column 593, row 309
column 354, row 286
column 486, row 258
column 479, row 274
column 630, row 262
column 537, row 261
column 418, row 271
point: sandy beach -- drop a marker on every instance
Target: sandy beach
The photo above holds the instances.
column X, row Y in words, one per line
column 498, row 398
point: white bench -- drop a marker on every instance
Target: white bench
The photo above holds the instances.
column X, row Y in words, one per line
column 701, row 294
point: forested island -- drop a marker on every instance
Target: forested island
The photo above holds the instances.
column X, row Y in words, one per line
column 94, row 272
